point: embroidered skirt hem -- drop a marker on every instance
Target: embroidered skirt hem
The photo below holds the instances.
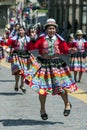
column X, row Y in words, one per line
column 50, row 76
column 1, row 53
column 78, row 62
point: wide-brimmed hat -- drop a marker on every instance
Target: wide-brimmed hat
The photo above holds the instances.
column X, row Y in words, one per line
column 79, row 32
column 50, row 22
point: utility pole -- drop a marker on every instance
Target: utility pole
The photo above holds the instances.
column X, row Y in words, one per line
column 80, row 13
column 51, row 8
column 73, row 15
column 67, row 11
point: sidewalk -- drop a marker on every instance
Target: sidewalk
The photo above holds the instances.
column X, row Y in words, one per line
column 22, row 111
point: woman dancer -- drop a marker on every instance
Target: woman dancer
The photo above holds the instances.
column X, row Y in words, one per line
column 20, row 56
column 78, row 62
column 53, row 75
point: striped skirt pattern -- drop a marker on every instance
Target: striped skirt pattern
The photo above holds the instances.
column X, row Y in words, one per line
column 22, row 64
column 52, row 76
column 1, row 53
column 78, row 62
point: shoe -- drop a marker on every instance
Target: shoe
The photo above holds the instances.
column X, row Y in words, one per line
column 16, row 88
column 44, row 116
column 75, row 80
column 79, row 81
column 67, row 111
column 23, row 90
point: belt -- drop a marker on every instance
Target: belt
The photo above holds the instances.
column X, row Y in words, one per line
column 21, row 52
column 56, row 56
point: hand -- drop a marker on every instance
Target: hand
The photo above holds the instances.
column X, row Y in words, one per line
column 72, row 50
column 4, row 36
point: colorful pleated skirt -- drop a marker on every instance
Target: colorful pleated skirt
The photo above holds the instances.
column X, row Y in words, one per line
column 50, row 76
column 78, row 62
column 19, row 62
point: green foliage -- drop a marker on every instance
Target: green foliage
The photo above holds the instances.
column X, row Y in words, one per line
column 27, row 1
column 43, row 11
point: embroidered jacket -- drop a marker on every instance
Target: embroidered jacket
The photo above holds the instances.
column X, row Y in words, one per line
column 81, row 45
column 18, row 42
column 49, row 47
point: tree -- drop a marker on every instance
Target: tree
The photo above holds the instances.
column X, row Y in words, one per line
column 28, row 1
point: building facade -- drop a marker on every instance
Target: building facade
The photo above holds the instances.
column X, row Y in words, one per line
column 4, row 11
column 6, row 6
column 73, row 11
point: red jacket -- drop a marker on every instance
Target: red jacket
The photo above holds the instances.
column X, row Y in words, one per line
column 41, row 44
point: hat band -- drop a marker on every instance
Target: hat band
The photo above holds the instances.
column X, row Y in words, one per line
column 51, row 23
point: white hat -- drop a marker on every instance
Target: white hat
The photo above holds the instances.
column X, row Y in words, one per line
column 79, row 32
column 50, row 22
column 71, row 35
column 7, row 26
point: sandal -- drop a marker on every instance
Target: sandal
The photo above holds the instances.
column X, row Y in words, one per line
column 23, row 90
column 44, row 116
column 67, row 111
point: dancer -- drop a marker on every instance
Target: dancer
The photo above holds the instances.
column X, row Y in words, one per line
column 78, row 62
column 53, row 75
column 1, row 49
column 20, row 55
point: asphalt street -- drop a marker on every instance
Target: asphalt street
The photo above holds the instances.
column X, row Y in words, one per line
column 20, row 111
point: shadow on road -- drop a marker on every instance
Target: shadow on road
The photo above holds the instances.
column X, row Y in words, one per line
column 21, row 122
column 7, row 80
column 81, row 93
column 10, row 94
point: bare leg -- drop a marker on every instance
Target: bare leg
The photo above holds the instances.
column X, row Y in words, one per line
column 67, row 104
column 0, row 61
column 42, row 103
column 17, row 76
column 22, row 82
column 42, row 100
column 22, row 85
column 75, row 75
column 80, row 76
